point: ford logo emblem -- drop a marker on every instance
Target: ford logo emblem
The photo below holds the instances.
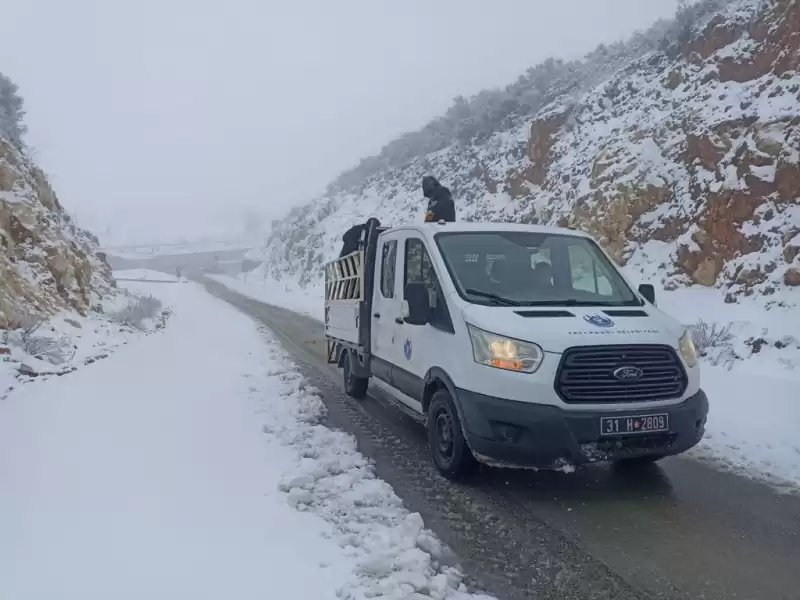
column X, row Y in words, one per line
column 598, row 320
column 628, row 373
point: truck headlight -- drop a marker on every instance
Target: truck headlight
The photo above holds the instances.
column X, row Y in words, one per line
column 504, row 353
column 688, row 351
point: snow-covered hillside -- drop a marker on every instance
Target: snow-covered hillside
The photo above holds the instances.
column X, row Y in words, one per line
column 47, row 263
column 54, row 284
column 680, row 155
column 679, row 150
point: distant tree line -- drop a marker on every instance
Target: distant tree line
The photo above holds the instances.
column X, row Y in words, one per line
column 473, row 120
column 12, row 126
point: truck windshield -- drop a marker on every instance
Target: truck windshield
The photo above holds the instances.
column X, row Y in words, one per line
column 510, row 268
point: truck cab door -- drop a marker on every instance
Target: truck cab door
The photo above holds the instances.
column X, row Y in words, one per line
column 386, row 307
column 421, row 346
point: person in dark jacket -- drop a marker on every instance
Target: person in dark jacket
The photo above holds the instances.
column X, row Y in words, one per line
column 353, row 236
column 440, row 201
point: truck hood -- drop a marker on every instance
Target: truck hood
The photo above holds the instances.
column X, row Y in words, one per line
column 557, row 328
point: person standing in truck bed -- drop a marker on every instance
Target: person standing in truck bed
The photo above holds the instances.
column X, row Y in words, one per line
column 353, row 237
column 440, row 201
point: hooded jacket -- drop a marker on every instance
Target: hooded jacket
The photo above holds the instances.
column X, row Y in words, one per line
column 440, row 202
column 351, row 239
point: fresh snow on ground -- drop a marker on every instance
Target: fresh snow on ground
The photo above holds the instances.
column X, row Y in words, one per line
column 144, row 275
column 191, row 463
column 68, row 341
column 755, row 407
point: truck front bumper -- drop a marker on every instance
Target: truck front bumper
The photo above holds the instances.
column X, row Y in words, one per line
column 523, row 434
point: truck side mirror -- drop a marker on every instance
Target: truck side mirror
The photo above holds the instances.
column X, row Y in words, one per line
column 649, row 293
column 416, row 306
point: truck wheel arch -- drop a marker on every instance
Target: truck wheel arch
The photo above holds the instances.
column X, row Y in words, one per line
column 340, row 360
column 435, row 379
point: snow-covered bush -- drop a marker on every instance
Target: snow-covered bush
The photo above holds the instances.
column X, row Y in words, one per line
column 138, row 311
column 714, row 342
column 56, row 350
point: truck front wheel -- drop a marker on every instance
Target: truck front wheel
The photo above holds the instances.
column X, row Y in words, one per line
column 449, row 448
column 355, row 387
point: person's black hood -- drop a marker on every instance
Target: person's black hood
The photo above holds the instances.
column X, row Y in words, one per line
column 429, row 185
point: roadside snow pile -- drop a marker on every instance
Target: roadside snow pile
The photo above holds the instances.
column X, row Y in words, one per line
column 397, row 557
column 40, row 348
column 752, row 426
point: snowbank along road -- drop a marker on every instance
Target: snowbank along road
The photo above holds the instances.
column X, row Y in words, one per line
column 192, row 464
column 678, row 530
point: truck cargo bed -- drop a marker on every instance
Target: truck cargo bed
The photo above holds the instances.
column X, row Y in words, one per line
column 344, row 293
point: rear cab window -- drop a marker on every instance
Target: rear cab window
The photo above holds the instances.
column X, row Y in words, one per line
column 388, row 268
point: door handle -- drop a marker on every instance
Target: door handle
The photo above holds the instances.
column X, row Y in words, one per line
column 398, row 320
column 377, row 315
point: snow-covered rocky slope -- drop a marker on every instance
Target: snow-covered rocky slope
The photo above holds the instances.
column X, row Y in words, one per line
column 677, row 149
column 54, row 284
column 47, row 263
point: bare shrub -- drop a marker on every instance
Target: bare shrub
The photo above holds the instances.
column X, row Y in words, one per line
column 56, row 351
column 714, row 342
column 24, row 324
column 706, row 336
column 137, row 311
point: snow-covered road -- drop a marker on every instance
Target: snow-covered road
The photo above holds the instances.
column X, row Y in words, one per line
column 754, row 414
column 149, row 475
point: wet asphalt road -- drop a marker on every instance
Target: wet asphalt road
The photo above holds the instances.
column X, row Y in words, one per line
column 677, row 530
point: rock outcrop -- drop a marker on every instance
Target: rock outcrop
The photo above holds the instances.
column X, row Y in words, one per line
column 684, row 163
column 47, row 263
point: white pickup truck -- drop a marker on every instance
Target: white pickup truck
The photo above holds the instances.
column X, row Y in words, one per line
column 516, row 345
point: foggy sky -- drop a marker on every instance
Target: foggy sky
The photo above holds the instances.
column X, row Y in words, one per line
column 166, row 118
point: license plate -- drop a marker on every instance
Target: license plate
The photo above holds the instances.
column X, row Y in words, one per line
column 631, row 425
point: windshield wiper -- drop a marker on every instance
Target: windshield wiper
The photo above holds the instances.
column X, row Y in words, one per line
column 495, row 297
column 576, row 302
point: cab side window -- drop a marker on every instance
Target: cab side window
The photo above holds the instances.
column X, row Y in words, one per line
column 419, row 269
column 388, row 267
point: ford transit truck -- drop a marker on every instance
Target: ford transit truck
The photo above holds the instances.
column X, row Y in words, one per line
column 515, row 345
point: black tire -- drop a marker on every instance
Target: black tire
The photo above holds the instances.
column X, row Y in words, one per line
column 449, row 449
column 355, row 387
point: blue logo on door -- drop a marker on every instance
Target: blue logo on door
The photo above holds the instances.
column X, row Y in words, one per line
column 598, row 320
column 407, row 349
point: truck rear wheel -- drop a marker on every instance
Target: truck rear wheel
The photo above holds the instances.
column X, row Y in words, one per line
column 355, row 387
column 449, row 448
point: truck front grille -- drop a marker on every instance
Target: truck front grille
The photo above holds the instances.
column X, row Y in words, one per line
column 586, row 374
